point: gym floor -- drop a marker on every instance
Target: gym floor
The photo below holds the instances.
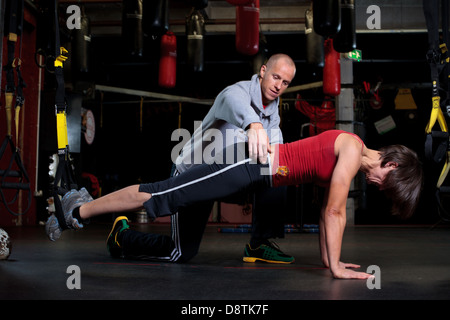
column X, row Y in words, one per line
column 413, row 261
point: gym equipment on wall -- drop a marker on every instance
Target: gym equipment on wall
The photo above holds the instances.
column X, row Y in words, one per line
column 15, row 176
column 437, row 147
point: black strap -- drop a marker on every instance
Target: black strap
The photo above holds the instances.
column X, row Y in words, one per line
column 14, row 27
column 64, row 179
column 21, row 175
column 436, row 146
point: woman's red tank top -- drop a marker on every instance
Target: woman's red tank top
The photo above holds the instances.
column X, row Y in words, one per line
column 310, row 160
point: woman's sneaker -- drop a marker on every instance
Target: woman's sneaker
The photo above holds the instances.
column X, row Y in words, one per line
column 69, row 201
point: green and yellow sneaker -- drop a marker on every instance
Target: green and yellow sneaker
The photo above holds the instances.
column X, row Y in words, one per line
column 112, row 243
column 268, row 252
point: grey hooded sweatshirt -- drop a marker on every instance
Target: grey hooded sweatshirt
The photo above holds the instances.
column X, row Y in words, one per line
column 234, row 109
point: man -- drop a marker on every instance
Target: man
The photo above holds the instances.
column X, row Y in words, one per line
column 249, row 110
column 330, row 160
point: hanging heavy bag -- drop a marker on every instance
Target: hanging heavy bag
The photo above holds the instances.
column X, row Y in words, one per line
column 345, row 39
column 199, row 4
column 314, row 42
column 132, row 27
column 262, row 56
column 195, row 29
column 247, row 28
column 331, row 70
column 156, row 17
column 239, row 2
column 81, row 43
column 327, row 17
column 168, row 61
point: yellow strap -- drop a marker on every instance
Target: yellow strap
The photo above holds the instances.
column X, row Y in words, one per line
column 61, row 58
column 436, row 114
column 8, row 108
column 444, row 171
column 61, row 128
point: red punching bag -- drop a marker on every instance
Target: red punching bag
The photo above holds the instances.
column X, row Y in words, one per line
column 331, row 70
column 247, row 28
column 168, row 61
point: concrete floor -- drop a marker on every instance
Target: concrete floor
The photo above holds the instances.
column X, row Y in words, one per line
column 414, row 264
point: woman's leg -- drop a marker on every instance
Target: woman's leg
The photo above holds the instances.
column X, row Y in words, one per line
column 123, row 200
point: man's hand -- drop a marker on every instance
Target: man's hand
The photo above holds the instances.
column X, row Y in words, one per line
column 258, row 142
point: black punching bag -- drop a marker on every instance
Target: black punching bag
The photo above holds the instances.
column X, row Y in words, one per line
column 81, row 43
column 345, row 39
column 327, row 17
column 314, row 42
column 156, row 17
column 132, row 27
column 199, row 4
column 195, row 30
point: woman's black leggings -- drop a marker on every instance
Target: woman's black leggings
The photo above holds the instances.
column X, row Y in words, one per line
column 233, row 173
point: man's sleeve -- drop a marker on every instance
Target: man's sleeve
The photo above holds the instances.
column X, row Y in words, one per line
column 235, row 107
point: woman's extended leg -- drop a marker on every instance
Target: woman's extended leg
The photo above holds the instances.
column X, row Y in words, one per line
column 123, row 200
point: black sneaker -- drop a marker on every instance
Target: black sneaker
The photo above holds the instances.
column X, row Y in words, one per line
column 112, row 243
column 267, row 253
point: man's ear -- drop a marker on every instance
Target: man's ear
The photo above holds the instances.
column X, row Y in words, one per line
column 262, row 71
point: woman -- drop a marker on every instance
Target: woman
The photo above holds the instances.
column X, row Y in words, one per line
column 331, row 160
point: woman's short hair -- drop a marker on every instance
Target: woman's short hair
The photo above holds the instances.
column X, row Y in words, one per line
column 404, row 184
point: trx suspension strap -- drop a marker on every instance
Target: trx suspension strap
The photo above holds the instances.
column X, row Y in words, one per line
column 64, row 178
column 20, row 176
column 437, row 142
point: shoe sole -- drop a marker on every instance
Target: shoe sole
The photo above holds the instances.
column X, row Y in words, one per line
column 114, row 226
column 252, row 259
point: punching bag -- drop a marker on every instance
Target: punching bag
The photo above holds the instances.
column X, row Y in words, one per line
column 199, row 4
column 156, row 17
column 314, row 42
column 327, row 17
column 81, row 44
column 331, row 70
column 239, row 2
column 195, row 29
column 247, row 28
column 345, row 39
column 168, row 61
column 262, row 56
column 132, row 27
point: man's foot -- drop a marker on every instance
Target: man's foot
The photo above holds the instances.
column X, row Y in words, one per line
column 69, row 202
column 267, row 252
column 112, row 243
